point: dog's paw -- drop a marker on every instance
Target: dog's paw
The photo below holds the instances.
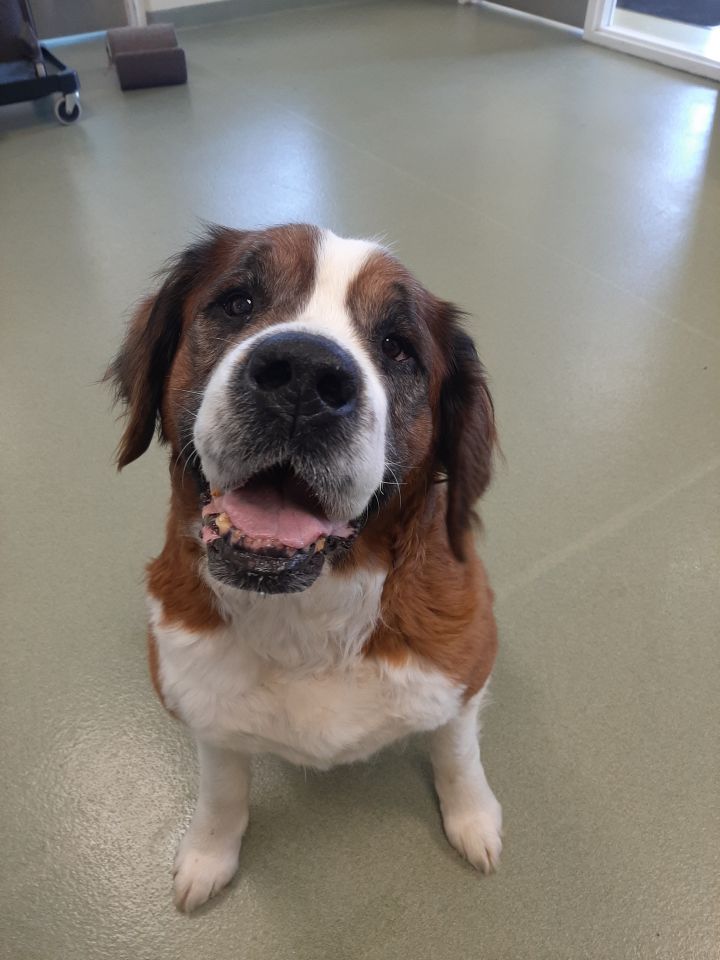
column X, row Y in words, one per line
column 202, row 871
column 476, row 833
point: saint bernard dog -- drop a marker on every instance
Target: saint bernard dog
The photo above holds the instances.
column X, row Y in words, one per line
column 319, row 594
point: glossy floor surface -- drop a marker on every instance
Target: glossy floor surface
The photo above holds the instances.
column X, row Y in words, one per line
column 569, row 199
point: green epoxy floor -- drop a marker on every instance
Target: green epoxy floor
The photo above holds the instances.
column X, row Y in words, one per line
column 569, row 199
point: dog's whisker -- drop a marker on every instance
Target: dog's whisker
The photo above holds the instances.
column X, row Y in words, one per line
column 185, row 466
column 186, row 460
column 184, row 448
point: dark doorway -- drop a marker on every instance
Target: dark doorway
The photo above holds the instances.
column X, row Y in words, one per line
column 701, row 13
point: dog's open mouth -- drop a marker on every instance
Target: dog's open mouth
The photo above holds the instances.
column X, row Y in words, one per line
column 271, row 534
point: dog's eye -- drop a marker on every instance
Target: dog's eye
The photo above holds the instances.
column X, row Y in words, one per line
column 237, row 305
column 396, row 349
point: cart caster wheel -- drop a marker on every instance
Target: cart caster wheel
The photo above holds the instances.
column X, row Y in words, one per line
column 68, row 109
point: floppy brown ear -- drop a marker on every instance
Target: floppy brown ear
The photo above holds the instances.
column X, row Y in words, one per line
column 143, row 362
column 467, row 434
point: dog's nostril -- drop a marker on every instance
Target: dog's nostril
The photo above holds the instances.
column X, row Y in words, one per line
column 293, row 373
column 273, row 375
column 334, row 389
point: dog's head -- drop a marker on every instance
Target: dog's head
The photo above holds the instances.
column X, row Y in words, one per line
column 301, row 380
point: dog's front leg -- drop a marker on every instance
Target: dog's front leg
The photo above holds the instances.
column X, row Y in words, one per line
column 208, row 854
column 472, row 817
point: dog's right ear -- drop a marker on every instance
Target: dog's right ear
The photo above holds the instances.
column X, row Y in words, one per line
column 139, row 370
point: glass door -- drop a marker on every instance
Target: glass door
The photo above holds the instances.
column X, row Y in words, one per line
column 679, row 33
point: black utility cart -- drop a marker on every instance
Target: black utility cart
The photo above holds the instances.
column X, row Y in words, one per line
column 28, row 70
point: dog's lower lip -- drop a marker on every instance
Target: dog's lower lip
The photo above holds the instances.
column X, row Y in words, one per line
column 219, row 527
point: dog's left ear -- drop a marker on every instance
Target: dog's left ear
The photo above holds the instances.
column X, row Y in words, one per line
column 467, row 435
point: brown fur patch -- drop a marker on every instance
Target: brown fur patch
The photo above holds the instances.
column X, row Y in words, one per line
column 381, row 281
column 173, row 577
column 454, row 418
column 433, row 606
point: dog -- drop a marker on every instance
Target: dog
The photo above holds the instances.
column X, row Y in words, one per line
column 319, row 594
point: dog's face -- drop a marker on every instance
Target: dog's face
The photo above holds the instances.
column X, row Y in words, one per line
column 301, row 380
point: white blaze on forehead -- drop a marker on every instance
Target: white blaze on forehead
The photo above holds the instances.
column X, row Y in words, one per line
column 337, row 263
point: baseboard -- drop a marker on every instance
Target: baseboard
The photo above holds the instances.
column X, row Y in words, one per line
column 201, row 13
column 571, row 12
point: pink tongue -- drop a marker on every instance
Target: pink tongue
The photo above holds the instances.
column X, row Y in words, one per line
column 266, row 513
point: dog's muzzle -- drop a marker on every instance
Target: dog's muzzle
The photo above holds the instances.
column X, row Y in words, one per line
column 297, row 400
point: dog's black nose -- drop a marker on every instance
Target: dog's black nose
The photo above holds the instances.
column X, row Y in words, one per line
column 303, row 376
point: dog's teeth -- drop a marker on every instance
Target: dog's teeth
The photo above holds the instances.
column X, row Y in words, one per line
column 223, row 523
column 320, row 545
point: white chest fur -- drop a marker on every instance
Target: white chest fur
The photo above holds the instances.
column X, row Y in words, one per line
column 287, row 676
